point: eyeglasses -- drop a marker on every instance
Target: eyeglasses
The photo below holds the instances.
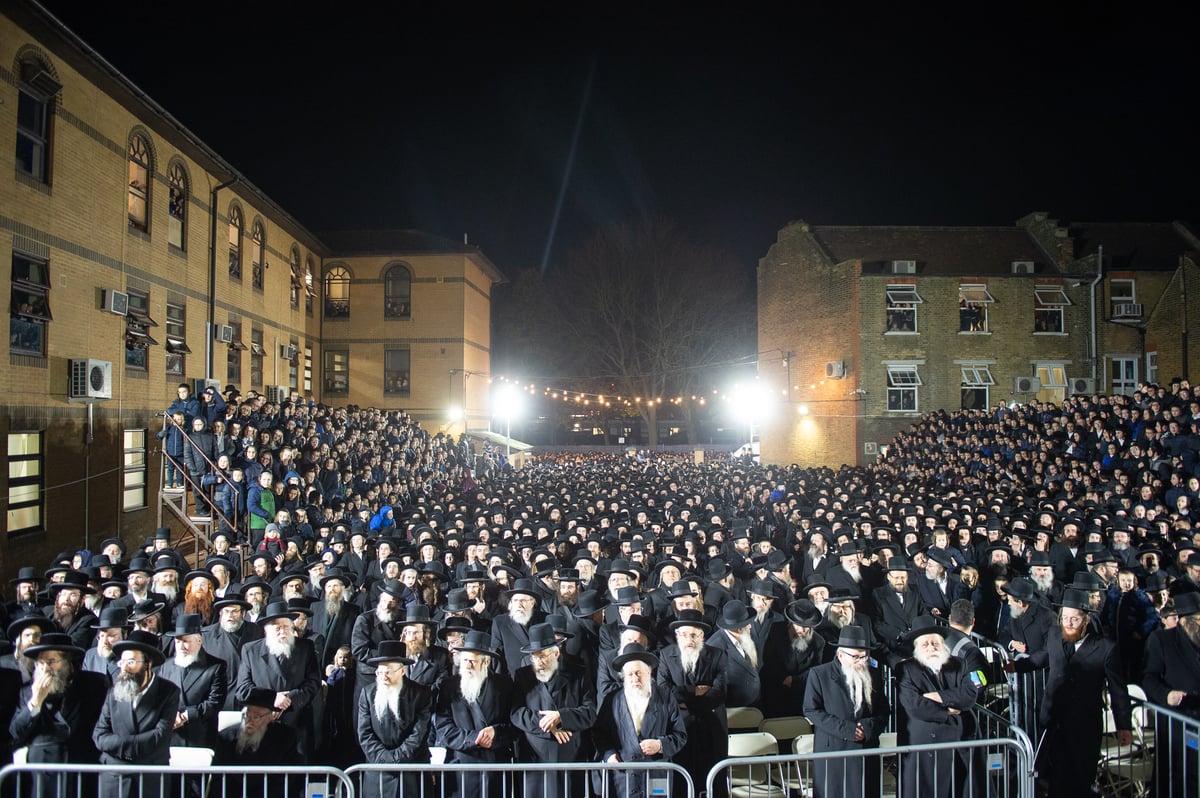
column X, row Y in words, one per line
column 127, row 661
column 855, row 657
column 389, row 669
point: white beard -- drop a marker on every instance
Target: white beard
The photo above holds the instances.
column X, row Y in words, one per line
column 384, row 616
column 334, row 605
column 171, row 592
column 126, row 689
column 689, row 657
column 1043, row 583
column 281, row 648
column 1015, row 612
column 229, row 627
column 800, row 645
column 186, row 660
column 746, row 644
column 249, row 743
column 387, row 699
column 815, row 553
column 932, row 661
column 548, row 674
column 842, row 621
column 855, row 572
column 521, row 616
column 638, row 701
column 472, row 684
column 859, row 684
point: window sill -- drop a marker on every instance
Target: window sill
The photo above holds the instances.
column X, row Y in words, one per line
column 176, row 251
column 974, row 332
column 32, row 359
column 902, row 332
column 136, row 233
column 26, row 179
column 1051, row 334
column 903, row 412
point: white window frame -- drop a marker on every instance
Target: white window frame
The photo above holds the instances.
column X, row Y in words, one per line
column 975, row 295
column 903, row 379
column 176, row 337
column 1048, row 304
column 902, row 298
column 1119, row 297
column 1152, row 368
column 133, row 479
column 976, row 377
column 1125, row 385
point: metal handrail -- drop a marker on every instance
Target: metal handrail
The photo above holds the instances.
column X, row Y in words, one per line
column 213, row 469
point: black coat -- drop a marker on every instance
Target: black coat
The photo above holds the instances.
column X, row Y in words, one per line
column 227, row 647
column 202, row 688
column 780, row 661
column 394, row 740
column 828, row 706
column 298, row 676
column 365, row 637
column 510, row 637
column 1172, row 663
column 82, row 628
column 569, row 692
column 743, row 684
column 704, row 716
column 615, row 734
column 934, row 598
column 930, row 773
column 457, row 723
column 62, row 731
column 892, row 618
column 137, row 735
column 334, row 632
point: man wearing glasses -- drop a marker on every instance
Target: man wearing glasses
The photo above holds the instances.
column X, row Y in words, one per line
column 138, row 715
column 393, row 724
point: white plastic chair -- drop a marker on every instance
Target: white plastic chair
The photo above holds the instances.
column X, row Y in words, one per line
column 188, row 758
column 227, row 718
column 755, row 781
column 744, row 718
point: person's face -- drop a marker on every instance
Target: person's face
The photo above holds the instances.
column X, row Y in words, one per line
column 853, row 659
column 107, row 637
column 929, row 644
column 68, row 600
column 281, row 630
column 134, row 665
column 26, row 591
column 760, row 603
column 819, row 595
column 30, row 636
column 188, row 644
column 255, row 719
column 1127, row 582
column 471, row 663
column 1073, row 619
column 544, row 660
column 256, row 595
column 636, row 675
column 898, row 580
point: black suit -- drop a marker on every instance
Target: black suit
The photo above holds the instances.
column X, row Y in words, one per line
column 62, row 731
column 892, row 618
column 457, row 724
column 780, row 661
column 703, row 715
column 743, row 687
column 334, row 632
column 278, row 747
column 615, row 734
column 132, row 735
column 367, row 634
column 298, row 676
column 227, row 647
column 394, row 740
column 510, row 637
column 928, row 721
column 202, row 687
column 572, row 694
column 1173, row 663
column 935, row 598
column 81, row 629
column 828, row 706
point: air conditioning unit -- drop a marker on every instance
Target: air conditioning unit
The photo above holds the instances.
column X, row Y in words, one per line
column 904, row 267
column 871, row 449
column 1022, row 267
column 89, row 380
column 277, row 394
column 116, row 302
column 223, row 333
column 835, row 369
column 1026, row 385
column 287, row 352
column 1127, row 310
column 1083, row 385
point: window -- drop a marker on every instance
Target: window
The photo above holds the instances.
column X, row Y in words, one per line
column 976, row 379
column 337, row 293
column 397, row 293
column 396, row 372
column 1123, row 294
column 903, row 382
column 256, row 358
column 177, row 346
column 177, row 207
column 297, row 281
column 35, row 92
column 30, row 308
column 258, row 240
column 139, row 184
column 135, row 470
column 293, row 365
column 308, row 363
column 1124, row 375
column 902, row 301
column 1152, row 368
column 337, row 372
column 235, row 243
column 1053, row 377
column 26, row 481
column 233, row 361
column 973, row 301
column 1048, row 304
column 137, row 331
column 310, row 286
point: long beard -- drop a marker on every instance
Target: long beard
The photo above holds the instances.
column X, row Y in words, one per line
column 231, row 626
column 333, row 605
column 638, row 700
column 547, row 673
column 384, row 615
column 689, row 657
column 1192, row 631
column 859, row 684
column 567, row 599
column 472, row 684
column 387, row 699
column 816, row 552
column 746, row 643
column 416, row 648
column 933, row 660
column 1044, row 583
column 104, row 649
column 186, row 660
column 1015, row 612
column 169, row 592
column 854, row 570
column 281, row 648
column 1074, row 635
column 800, row 645
column 842, row 620
column 199, row 604
column 126, row 688
column 64, row 617
column 249, row 743
column 761, row 615
column 521, row 616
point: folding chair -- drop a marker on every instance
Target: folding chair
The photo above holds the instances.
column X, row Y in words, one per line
column 798, row 779
column 756, row 780
column 744, row 719
column 889, row 766
column 785, row 728
column 227, row 718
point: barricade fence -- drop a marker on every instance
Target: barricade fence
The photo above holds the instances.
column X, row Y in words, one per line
column 160, row 781
column 502, row 780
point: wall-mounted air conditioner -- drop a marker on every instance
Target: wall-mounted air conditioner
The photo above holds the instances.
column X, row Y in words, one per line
column 116, row 302
column 1026, row 385
column 223, row 333
column 89, row 379
column 835, row 369
column 1082, row 385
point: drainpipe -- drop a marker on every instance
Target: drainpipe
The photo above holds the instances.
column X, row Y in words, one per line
column 1095, row 355
column 212, row 278
column 1183, row 333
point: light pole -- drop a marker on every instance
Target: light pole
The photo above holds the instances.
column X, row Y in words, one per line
column 505, row 402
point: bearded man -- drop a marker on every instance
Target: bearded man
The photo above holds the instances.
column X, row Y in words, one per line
column 567, row 588
column 255, row 741
column 472, row 720
column 789, row 658
column 371, row 629
column 511, row 630
column 1041, row 573
column 25, row 594
column 842, row 612
column 225, row 639
column 935, row 691
column 843, row 694
column 67, row 610
column 694, row 675
column 202, row 684
column 333, row 619
column 135, row 724
column 743, row 685
column 165, row 582
column 431, row 663
column 1172, row 679
column 767, row 623
column 393, row 723
column 847, row 574
column 199, row 595
column 288, row 665
column 24, row 633
column 111, row 628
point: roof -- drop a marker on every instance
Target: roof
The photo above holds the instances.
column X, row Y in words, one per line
column 496, row 439
column 1134, row 246
column 937, row 250
column 359, row 243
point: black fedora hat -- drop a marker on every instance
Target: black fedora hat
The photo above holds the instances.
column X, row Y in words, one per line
column 541, row 637
column 735, row 615
column 21, row 624
column 639, row 623
column 391, row 651
column 631, row 653
column 452, row 625
column 1187, row 604
column 627, row 596
column 113, row 618
column 681, row 588
column 924, row 625
column 693, row 618
column 145, row 608
column 142, row 641
column 74, row 580
column 276, row 610
column 803, row 612
column 1086, row 580
column 27, row 573
column 1075, row 599
column 458, row 601
column 337, row 574
column 418, row 615
column 853, row 637
column 261, row 697
column 522, row 587
column 940, row 556
column 189, row 624
column 717, row 569
column 55, row 641
column 590, row 602
column 393, row 587
column 230, row 601
column 479, row 643
column 1021, row 589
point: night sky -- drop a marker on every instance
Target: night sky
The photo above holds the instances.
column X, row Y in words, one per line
column 461, row 120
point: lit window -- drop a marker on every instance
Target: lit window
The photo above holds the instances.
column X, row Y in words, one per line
column 902, row 384
column 396, row 372
column 308, row 368
column 139, row 184
column 976, row 380
column 35, row 93
column 135, row 469
column 397, row 293
column 26, row 481
column 235, row 243
column 177, row 207
column 176, row 345
column 29, row 311
column 902, row 301
column 137, row 331
column 293, row 365
column 310, row 286
column 337, row 293
column 1048, row 304
column 973, row 301
column 258, row 243
column 1152, row 368
column 337, row 372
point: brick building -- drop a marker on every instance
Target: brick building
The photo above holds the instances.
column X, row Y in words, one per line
column 861, row 329
column 143, row 257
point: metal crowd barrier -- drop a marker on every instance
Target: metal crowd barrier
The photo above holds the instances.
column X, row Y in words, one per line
column 43, row 780
column 1164, row 759
column 999, row 768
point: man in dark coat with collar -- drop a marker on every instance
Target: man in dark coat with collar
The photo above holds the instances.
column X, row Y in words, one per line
column 334, row 616
column 1026, row 638
column 135, row 724
column 1172, row 680
column 202, row 684
column 431, row 663
column 936, row 692
column 225, row 639
column 790, row 657
column 640, row 723
column 393, row 724
column 256, row 741
column 845, row 702
column 894, row 607
column 733, row 638
column 372, row 628
column 510, row 631
column 694, row 675
column 67, row 610
column 939, row 588
column 554, row 706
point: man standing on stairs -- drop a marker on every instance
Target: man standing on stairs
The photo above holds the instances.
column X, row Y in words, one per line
column 197, row 454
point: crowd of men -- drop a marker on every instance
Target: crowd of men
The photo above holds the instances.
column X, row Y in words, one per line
column 377, row 591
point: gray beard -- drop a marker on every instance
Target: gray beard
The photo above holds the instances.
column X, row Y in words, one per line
column 855, row 572
column 521, row 617
column 249, row 743
column 1044, row 584
column 1015, row 612
column 229, row 627
column 387, row 699
column 281, row 648
column 472, row 684
column 334, row 605
column 170, row 592
column 800, row 645
column 126, row 689
column 548, row 674
column 746, row 644
column 383, row 616
column 186, row 660
column 689, row 657
column 859, row 685
column 933, row 662
column 841, row 621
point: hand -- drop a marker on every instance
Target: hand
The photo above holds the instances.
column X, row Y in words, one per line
column 1017, row 646
column 1124, row 737
column 937, row 613
column 480, row 606
column 933, row 696
column 485, row 737
column 549, row 720
column 1175, row 698
column 562, row 737
column 787, row 682
column 614, row 759
column 40, row 688
column 702, row 689
column 859, row 734
column 180, row 719
column 651, row 747
column 282, row 702
column 952, row 711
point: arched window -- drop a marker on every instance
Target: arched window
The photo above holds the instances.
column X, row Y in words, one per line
column 337, row 293
column 235, row 242
column 139, row 184
column 297, row 281
column 258, row 242
column 397, row 293
column 36, row 90
column 177, row 207
column 310, row 285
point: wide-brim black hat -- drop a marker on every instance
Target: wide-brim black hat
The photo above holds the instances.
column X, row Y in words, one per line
column 853, row 637
column 1021, row 589
column 391, row 651
column 541, row 637
column 803, row 612
column 190, row 624
column 454, row 624
column 590, row 602
column 634, row 652
column 693, row 618
column 21, row 624
column 145, row 642
column 1075, row 599
column 276, row 610
column 479, row 643
column 522, row 587
column 55, row 641
column 735, row 615
column 924, row 625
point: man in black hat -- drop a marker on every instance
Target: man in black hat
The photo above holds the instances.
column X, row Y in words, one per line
column 767, row 622
column 393, row 723
column 936, row 692
column 111, row 628
column 694, row 675
column 790, row 657
column 554, row 705
column 473, row 716
column 202, row 682
column 1172, row 679
column 23, row 633
column 286, row 664
column 225, row 639
column 256, row 741
column 939, row 588
column 333, row 618
column 1029, row 624
column 511, row 630
column 1082, row 665
column 25, row 594
column 845, row 702
column 431, row 663
column 372, row 628
column 135, row 724
column 743, row 685
column 67, row 610
column 640, row 723
column 894, row 607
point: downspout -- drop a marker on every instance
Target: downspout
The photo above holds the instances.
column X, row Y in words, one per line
column 1183, row 333
column 212, row 278
column 1095, row 355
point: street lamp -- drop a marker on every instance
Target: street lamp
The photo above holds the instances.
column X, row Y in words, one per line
column 505, row 404
column 751, row 405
